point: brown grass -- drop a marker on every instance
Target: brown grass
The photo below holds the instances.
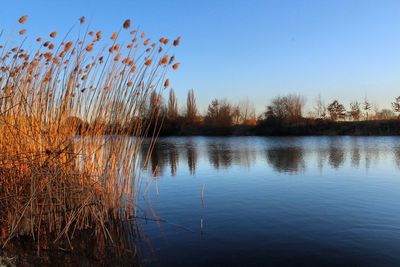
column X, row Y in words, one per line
column 54, row 182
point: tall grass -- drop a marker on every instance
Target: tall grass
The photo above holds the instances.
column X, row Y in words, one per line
column 58, row 175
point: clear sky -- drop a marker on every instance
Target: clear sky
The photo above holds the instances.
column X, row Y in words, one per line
column 344, row 49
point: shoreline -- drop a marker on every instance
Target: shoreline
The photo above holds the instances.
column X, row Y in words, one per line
column 304, row 127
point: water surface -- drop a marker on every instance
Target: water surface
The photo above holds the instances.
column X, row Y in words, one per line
column 250, row 201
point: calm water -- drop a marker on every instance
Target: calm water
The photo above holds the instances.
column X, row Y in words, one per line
column 249, row 201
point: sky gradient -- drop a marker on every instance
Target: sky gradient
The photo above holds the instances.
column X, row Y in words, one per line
column 340, row 49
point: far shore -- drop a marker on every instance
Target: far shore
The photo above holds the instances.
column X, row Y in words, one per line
column 304, row 127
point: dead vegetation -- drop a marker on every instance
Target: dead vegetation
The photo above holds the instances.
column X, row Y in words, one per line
column 54, row 182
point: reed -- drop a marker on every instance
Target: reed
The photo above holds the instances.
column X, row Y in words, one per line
column 58, row 175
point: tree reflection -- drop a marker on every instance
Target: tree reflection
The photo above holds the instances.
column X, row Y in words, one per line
column 396, row 152
column 156, row 156
column 191, row 154
column 173, row 157
column 355, row 156
column 244, row 156
column 336, row 156
column 220, row 155
column 289, row 157
column 322, row 155
column 157, row 160
column 372, row 155
column 286, row 159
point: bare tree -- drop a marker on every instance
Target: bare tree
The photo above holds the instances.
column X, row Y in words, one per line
column 396, row 105
column 287, row 107
column 355, row 110
column 191, row 107
column 172, row 113
column 236, row 115
column 385, row 114
column 247, row 112
column 367, row 107
column 336, row 110
column 320, row 109
column 269, row 113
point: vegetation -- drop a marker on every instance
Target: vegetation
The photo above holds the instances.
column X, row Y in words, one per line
column 61, row 172
column 283, row 116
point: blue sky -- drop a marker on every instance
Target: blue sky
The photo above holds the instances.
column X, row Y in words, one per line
column 256, row 48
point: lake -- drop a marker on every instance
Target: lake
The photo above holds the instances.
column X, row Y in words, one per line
column 272, row 201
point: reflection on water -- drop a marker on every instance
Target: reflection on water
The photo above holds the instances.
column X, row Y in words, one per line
column 355, row 155
column 286, row 159
column 284, row 156
column 336, row 156
column 397, row 155
column 295, row 201
column 220, row 155
column 191, row 154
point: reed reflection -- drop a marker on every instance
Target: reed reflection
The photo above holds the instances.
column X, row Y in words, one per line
column 286, row 159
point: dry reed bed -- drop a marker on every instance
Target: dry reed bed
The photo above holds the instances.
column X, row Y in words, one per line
column 53, row 181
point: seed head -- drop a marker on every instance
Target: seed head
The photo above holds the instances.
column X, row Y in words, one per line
column 53, row 34
column 89, row 48
column 164, row 60
column 22, row 32
column 148, row 62
column 82, row 20
column 166, row 83
column 127, row 24
column 132, row 69
column 177, row 41
column 117, row 57
column 22, row 19
column 113, row 36
column 163, row 40
column 176, row 66
column 67, row 46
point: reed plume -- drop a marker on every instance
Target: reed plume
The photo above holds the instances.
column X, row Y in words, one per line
column 66, row 162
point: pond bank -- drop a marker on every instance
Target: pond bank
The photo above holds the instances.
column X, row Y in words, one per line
column 303, row 127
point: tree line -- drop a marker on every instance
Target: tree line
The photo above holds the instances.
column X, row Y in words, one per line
column 288, row 108
column 166, row 116
column 220, row 112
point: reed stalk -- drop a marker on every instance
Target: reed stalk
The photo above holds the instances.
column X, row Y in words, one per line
column 67, row 106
